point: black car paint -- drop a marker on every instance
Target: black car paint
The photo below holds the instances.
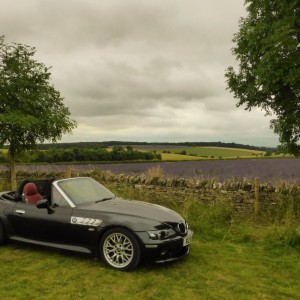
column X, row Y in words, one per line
column 27, row 223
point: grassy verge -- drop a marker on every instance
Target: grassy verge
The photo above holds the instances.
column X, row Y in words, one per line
column 214, row 270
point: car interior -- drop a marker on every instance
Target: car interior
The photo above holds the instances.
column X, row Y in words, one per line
column 32, row 190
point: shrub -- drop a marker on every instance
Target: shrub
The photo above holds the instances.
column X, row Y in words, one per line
column 5, row 184
column 155, row 172
column 283, row 222
column 212, row 220
column 183, row 152
column 284, row 235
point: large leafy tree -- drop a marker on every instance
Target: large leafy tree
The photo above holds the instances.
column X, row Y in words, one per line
column 31, row 109
column 267, row 48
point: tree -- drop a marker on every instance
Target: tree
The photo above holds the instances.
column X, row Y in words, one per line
column 31, row 109
column 267, row 48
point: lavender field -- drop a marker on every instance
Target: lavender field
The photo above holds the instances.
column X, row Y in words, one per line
column 266, row 169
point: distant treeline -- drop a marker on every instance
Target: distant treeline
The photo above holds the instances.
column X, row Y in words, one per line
column 124, row 144
column 117, row 153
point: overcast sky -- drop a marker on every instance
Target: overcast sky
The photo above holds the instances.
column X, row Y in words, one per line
column 140, row 70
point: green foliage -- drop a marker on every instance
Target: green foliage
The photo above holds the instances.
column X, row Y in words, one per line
column 268, row 52
column 148, row 146
column 4, row 181
column 282, row 222
column 212, row 220
column 268, row 153
column 183, row 152
column 93, row 154
column 31, row 109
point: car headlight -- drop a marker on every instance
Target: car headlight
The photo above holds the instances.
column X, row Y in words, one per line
column 161, row 234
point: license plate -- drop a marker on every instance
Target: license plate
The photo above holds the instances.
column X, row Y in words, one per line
column 187, row 241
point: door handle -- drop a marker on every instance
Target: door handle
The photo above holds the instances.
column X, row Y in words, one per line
column 20, row 212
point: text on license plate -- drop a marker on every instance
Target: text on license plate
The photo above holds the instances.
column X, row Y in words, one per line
column 187, row 241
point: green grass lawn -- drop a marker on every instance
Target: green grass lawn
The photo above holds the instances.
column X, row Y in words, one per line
column 213, row 270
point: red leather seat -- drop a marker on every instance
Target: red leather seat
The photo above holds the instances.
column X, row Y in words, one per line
column 31, row 193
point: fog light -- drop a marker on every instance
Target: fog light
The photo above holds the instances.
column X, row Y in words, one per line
column 163, row 253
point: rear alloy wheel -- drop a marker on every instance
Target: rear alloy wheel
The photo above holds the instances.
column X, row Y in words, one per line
column 120, row 249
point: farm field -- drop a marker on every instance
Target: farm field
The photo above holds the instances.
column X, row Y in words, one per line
column 216, row 152
column 266, row 169
column 177, row 157
column 188, row 153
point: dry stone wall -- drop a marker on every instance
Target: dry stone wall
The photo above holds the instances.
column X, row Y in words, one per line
column 240, row 193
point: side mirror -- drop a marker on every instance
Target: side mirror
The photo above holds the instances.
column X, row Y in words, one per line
column 44, row 203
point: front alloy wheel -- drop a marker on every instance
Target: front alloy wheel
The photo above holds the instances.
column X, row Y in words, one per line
column 120, row 249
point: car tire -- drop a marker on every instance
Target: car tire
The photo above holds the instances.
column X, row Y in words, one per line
column 120, row 249
column 2, row 234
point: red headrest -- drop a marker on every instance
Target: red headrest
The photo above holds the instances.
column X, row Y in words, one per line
column 30, row 189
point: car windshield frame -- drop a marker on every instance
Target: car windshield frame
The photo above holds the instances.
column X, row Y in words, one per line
column 82, row 191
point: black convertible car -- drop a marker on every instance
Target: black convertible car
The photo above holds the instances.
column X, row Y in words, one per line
column 79, row 214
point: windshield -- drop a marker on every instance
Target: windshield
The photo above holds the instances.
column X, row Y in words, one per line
column 84, row 190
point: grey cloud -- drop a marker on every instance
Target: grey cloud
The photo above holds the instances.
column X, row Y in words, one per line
column 136, row 68
column 121, row 88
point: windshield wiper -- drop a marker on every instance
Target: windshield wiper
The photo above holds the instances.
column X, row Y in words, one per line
column 104, row 199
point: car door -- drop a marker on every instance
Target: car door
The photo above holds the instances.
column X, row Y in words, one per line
column 34, row 223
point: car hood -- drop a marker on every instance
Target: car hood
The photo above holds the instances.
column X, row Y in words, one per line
column 135, row 209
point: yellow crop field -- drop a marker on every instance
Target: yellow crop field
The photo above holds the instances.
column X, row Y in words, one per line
column 172, row 156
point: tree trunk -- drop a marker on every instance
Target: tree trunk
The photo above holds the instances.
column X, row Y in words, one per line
column 13, row 177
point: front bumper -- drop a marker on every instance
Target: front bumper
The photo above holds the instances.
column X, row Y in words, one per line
column 161, row 251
